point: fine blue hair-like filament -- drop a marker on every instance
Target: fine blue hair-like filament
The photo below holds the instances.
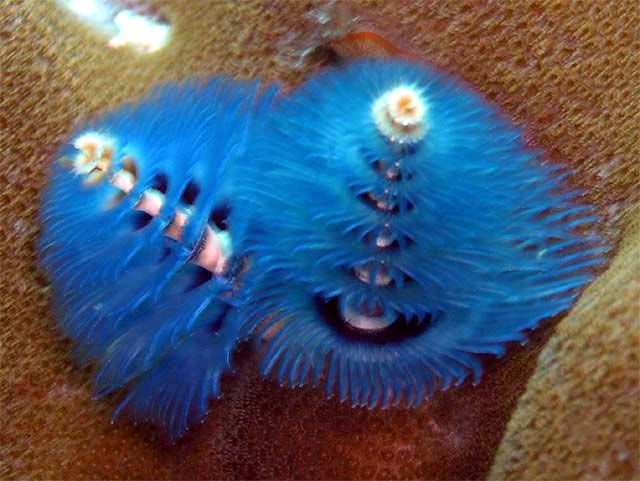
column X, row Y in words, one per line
column 154, row 324
column 454, row 245
column 482, row 240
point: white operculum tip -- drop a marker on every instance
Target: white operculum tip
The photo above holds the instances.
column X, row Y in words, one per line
column 400, row 114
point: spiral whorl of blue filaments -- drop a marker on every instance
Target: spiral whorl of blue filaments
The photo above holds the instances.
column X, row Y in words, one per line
column 398, row 228
column 132, row 222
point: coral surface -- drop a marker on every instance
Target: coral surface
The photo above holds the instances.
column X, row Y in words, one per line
column 581, row 404
column 568, row 71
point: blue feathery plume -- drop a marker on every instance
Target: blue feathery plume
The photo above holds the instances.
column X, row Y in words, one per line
column 130, row 293
column 397, row 229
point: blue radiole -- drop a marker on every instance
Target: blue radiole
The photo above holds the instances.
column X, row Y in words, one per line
column 380, row 231
column 136, row 244
column 399, row 228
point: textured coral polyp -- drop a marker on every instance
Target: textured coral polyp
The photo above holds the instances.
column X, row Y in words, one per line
column 587, row 359
column 569, row 70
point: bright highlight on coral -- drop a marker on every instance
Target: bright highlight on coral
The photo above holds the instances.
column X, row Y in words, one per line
column 142, row 33
column 400, row 114
column 123, row 27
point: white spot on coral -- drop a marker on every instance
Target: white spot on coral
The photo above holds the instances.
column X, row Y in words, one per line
column 89, row 9
column 140, row 32
column 123, row 27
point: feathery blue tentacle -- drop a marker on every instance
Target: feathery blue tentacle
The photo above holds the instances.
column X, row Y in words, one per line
column 389, row 266
column 130, row 294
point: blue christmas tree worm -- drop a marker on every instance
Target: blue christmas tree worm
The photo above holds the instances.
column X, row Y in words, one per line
column 136, row 246
column 398, row 228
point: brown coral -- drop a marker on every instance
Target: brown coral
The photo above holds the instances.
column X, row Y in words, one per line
column 581, row 405
column 570, row 71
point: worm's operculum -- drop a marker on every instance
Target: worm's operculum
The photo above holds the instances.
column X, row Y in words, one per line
column 400, row 114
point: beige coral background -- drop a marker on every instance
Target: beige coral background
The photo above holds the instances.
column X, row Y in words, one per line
column 563, row 407
column 579, row 417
